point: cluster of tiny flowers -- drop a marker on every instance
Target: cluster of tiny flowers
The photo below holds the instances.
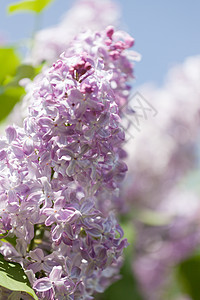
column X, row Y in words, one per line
column 111, row 49
column 57, row 167
column 109, row 46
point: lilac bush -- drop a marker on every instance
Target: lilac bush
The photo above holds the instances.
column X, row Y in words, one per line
column 63, row 166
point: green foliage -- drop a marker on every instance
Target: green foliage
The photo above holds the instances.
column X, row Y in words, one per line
column 29, row 5
column 22, row 71
column 188, row 273
column 7, row 239
column 11, row 73
column 9, row 61
column 13, row 277
column 9, row 96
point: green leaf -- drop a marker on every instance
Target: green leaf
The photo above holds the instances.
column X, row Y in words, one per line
column 9, row 61
column 29, row 5
column 13, row 277
column 9, row 96
column 9, row 240
column 10, row 90
column 23, row 71
column 188, row 274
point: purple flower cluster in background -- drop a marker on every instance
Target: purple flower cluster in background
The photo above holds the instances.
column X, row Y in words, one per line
column 160, row 185
column 61, row 168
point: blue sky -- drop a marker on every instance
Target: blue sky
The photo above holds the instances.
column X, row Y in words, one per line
column 165, row 32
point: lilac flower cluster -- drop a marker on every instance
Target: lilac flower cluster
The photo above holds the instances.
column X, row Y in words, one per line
column 113, row 47
column 57, row 169
column 108, row 45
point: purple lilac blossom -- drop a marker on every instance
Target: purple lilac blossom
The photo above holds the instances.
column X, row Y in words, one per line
column 113, row 48
column 56, row 168
column 110, row 46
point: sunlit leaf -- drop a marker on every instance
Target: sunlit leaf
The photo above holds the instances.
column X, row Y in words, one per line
column 9, row 61
column 8, row 239
column 9, row 96
column 22, row 71
column 29, row 5
column 11, row 73
column 13, row 277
